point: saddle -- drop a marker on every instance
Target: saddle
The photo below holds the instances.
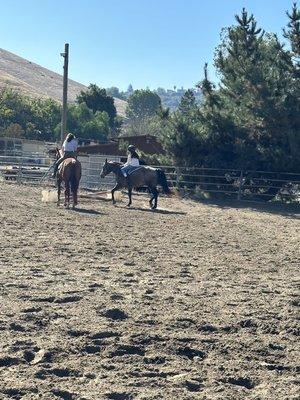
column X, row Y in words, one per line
column 134, row 169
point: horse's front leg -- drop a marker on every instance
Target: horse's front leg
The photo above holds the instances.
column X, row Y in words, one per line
column 129, row 196
column 114, row 189
column 155, row 199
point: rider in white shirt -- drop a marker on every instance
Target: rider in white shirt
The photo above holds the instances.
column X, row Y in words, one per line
column 133, row 161
column 68, row 150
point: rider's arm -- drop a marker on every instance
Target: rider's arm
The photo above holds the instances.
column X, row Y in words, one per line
column 128, row 162
column 63, row 148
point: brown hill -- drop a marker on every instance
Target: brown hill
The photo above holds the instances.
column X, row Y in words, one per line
column 34, row 80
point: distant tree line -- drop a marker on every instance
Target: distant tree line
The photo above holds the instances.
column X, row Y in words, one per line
column 93, row 116
column 170, row 98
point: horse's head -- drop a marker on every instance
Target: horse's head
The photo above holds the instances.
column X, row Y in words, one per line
column 106, row 169
column 110, row 166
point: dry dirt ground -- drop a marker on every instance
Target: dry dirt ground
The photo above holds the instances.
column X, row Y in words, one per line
column 197, row 301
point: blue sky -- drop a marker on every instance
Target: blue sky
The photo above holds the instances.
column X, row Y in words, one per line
column 116, row 42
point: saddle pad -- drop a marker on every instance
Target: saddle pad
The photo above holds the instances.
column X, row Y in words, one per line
column 135, row 169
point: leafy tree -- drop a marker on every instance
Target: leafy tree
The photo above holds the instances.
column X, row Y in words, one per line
column 27, row 117
column 84, row 123
column 14, row 131
column 293, row 30
column 255, row 88
column 129, row 91
column 252, row 120
column 143, row 103
column 115, row 92
column 97, row 99
column 187, row 103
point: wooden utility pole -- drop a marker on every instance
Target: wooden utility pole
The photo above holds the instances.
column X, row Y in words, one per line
column 65, row 93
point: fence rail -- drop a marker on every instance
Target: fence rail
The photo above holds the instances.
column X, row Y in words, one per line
column 201, row 182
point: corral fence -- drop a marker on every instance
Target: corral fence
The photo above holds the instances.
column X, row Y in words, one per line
column 235, row 184
column 198, row 182
column 37, row 169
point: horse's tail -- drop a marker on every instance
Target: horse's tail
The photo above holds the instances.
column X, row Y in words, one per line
column 162, row 180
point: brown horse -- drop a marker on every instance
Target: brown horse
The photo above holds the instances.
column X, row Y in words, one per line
column 142, row 176
column 69, row 172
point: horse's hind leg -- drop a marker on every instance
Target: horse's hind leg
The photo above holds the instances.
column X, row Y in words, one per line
column 151, row 197
column 67, row 195
column 154, row 193
column 58, row 191
column 75, row 198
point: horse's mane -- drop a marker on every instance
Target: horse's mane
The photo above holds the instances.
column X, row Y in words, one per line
column 116, row 163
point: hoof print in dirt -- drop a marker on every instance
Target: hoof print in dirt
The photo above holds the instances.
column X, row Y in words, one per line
column 115, row 314
column 9, row 361
column 37, row 356
column 67, row 299
column 248, row 323
column 244, row 382
column 124, row 350
column 193, row 385
column 63, row 394
column 16, row 327
column 59, row 372
column 208, row 328
column 77, row 333
column 90, row 349
column 104, row 335
column 14, row 393
column 190, row 353
column 119, row 396
column 154, row 360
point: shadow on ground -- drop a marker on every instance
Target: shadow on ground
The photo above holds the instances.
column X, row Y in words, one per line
column 87, row 211
column 156, row 211
column 286, row 210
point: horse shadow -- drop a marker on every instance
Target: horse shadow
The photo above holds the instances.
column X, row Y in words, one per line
column 156, row 211
column 87, row 211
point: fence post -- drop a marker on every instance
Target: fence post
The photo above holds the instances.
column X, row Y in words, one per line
column 177, row 169
column 19, row 173
column 240, row 186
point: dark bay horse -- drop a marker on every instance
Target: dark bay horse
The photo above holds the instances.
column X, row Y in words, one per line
column 68, row 172
column 143, row 176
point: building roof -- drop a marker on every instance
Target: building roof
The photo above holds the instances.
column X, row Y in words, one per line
column 146, row 143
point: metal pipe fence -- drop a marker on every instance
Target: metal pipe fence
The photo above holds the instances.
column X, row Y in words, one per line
column 199, row 182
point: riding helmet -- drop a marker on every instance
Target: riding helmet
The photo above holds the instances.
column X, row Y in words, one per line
column 70, row 137
column 131, row 148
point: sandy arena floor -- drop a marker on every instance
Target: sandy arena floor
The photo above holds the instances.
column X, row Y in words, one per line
column 197, row 301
